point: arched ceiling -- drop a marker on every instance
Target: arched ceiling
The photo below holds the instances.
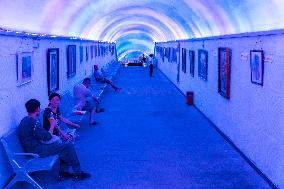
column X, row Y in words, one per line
column 136, row 24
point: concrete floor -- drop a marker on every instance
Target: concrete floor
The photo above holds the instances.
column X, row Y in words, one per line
column 148, row 138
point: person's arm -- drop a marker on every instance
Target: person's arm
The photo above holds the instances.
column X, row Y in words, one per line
column 53, row 124
column 64, row 135
column 40, row 133
column 68, row 121
column 96, row 99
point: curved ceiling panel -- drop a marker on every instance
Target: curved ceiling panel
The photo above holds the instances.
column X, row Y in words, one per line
column 136, row 24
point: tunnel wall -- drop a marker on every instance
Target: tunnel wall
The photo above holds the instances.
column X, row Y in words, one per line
column 253, row 116
column 13, row 97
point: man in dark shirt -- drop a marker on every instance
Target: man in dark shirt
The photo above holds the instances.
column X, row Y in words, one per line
column 31, row 135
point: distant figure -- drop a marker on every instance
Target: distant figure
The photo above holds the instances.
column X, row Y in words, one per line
column 151, row 67
column 31, row 135
column 85, row 100
column 100, row 78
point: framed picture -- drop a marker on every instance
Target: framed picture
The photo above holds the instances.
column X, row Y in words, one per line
column 92, row 51
column 257, row 66
column 52, row 70
column 81, row 54
column 24, row 68
column 224, row 71
column 183, row 65
column 191, row 57
column 71, row 61
column 87, row 53
column 202, row 63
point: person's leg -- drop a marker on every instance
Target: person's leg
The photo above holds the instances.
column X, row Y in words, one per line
column 112, row 85
column 91, row 107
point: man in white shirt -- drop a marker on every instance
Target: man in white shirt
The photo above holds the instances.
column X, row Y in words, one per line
column 85, row 100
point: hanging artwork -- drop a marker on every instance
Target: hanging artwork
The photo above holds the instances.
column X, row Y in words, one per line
column 191, row 62
column 92, row 51
column 24, row 68
column 183, row 65
column 71, row 61
column 202, row 63
column 224, row 67
column 87, row 53
column 256, row 66
column 53, row 70
column 81, row 54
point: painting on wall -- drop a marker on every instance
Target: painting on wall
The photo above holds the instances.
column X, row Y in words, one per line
column 191, row 62
column 183, row 65
column 87, row 53
column 257, row 66
column 224, row 71
column 53, row 70
column 24, row 68
column 92, row 51
column 202, row 64
column 81, row 54
column 71, row 61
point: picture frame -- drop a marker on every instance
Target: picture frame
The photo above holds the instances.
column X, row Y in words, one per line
column 92, row 51
column 202, row 64
column 24, row 68
column 183, row 55
column 224, row 71
column 257, row 66
column 52, row 70
column 71, row 61
column 81, row 54
column 191, row 57
column 87, row 53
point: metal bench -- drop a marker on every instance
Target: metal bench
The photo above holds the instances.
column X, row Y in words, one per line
column 24, row 163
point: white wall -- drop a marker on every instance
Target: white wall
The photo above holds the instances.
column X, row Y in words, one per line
column 13, row 98
column 253, row 117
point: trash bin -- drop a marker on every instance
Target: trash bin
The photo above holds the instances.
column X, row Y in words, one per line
column 189, row 97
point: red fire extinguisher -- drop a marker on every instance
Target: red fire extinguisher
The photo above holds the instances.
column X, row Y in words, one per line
column 189, row 97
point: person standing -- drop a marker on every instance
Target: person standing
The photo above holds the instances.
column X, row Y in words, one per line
column 151, row 67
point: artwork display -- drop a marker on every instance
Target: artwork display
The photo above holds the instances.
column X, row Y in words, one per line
column 183, row 65
column 202, row 63
column 71, row 61
column 257, row 66
column 191, row 56
column 224, row 69
column 87, row 53
column 92, row 51
column 81, row 54
column 53, row 70
column 24, row 68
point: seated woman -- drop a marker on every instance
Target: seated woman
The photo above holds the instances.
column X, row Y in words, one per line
column 52, row 116
column 100, row 78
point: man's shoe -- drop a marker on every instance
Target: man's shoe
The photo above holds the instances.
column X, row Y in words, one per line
column 81, row 176
column 64, row 175
column 94, row 123
column 100, row 110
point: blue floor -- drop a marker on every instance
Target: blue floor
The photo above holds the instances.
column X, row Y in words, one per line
column 148, row 138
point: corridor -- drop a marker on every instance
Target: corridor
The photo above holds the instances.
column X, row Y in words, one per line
column 148, row 138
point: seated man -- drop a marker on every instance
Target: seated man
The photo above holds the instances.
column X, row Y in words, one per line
column 32, row 135
column 100, row 78
column 85, row 100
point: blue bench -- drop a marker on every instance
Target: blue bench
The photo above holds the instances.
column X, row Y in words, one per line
column 24, row 163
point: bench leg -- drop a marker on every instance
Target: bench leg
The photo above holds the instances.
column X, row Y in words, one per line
column 23, row 176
